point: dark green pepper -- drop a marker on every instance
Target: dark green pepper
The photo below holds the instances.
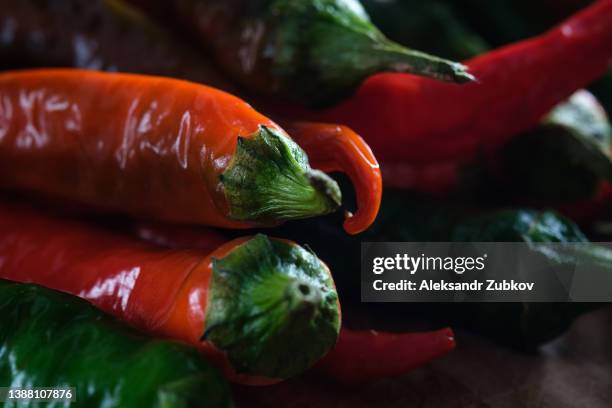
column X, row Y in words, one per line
column 518, row 226
column 565, row 159
column 408, row 217
column 310, row 51
column 526, row 325
column 521, row 325
column 51, row 339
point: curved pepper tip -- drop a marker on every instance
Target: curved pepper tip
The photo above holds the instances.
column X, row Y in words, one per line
column 447, row 339
column 337, row 148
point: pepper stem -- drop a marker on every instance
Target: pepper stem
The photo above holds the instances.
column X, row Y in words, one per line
column 270, row 180
column 392, row 57
column 329, row 47
column 273, row 308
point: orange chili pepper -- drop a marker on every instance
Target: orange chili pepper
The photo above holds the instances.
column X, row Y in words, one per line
column 261, row 309
column 158, row 148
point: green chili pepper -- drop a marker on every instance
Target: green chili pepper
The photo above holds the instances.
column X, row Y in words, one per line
column 521, row 325
column 518, row 226
column 409, row 217
column 527, row 325
column 48, row 338
column 564, row 159
column 310, row 51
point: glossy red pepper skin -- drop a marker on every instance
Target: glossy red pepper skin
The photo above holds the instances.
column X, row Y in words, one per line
column 151, row 147
column 417, row 122
column 359, row 356
column 365, row 356
column 330, row 148
column 164, row 292
column 52, row 26
column 161, row 292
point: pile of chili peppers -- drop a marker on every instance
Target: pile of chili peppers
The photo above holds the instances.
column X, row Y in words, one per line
column 148, row 150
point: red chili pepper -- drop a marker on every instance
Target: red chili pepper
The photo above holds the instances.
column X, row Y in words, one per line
column 364, row 356
column 337, row 148
column 168, row 150
column 262, row 309
column 359, row 356
column 418, row 122
column 179, row 236
column 330, row 148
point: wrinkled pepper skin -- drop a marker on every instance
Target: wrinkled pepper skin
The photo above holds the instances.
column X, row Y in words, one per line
column 417, row 122
column 153, row 147
column 120, row 30
column 313, row 52
column 50, row 338
column 187, row 295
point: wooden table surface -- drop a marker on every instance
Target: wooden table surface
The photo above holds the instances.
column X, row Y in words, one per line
column 573, row 371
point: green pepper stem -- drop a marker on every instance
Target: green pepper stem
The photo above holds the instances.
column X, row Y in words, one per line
column 390, row 56
column 273, row 308
column 270, row 180
column 329, row 47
